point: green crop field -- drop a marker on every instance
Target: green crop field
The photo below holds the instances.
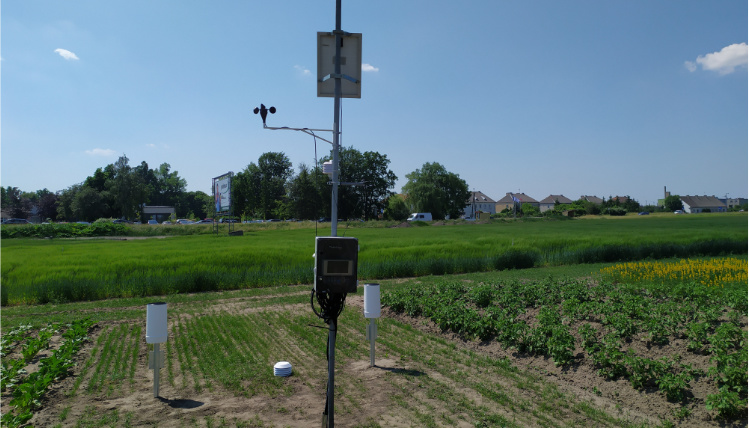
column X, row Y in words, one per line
column 64, row 270
column 631, row 322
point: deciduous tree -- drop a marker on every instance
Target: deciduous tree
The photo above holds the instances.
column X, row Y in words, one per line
column 375, row 181
column 306, row 193
column 258, row 189
column 673, row 203
column 435, row 190
column 396, row 209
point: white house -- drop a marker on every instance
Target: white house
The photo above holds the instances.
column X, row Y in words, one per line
column 479, row 202
column 550, row 201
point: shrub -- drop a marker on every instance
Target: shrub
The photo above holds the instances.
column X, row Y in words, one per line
column 726, row 402
column 615, row 211
column 516, row 259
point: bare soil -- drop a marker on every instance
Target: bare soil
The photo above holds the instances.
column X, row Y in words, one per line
column 176, row 407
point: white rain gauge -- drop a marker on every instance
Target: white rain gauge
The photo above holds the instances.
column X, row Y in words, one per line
column 156, row 333
column 372, row 311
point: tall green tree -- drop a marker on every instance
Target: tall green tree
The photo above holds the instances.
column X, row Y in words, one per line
column 46, row 204
column 87, row 205
column 169, row 187
column 259, row 190
column 274, row 169
column 396, row 208
column 376, row 180
column 245, row 187
column 673, row 203
column 150, row 184
column 99, row 180
column 195, row 204
column 127, row 188
column 102, row 182
column 306, row 193
column 65, row 202
column 15, row 203
column 435, row 190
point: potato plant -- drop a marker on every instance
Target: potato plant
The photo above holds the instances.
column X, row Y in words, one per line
column 656, row 313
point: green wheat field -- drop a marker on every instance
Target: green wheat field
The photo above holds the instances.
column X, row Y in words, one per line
column 38, row 271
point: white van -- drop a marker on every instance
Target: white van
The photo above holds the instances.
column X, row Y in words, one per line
column 420, row 217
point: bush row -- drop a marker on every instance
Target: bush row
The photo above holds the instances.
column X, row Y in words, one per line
column 519, row 258
column 63, row 230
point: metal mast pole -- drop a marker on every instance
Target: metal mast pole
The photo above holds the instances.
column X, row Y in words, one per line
column 336, row 116
column 332, row 327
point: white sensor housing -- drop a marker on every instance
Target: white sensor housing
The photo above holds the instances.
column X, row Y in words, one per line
column 156, row 330
column 371, row 300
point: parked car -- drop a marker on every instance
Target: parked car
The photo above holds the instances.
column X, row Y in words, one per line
column 15, row 221
column 184, row 221
column 121, row 221
column 166, row 222
column 420, row 217
column 679, row 212
column 153, row 222
column 206, row 221
column 644, row 213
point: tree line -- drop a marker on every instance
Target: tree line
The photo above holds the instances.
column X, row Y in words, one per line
column 116, row 191
column 269, row 189
column 266, row 189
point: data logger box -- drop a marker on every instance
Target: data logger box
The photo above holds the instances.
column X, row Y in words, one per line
column 336, row 261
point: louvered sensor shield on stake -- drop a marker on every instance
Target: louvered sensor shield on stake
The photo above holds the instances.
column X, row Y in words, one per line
column 372, row 310
column 156, row 333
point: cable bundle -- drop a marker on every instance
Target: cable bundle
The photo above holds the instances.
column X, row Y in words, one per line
column 331, row 305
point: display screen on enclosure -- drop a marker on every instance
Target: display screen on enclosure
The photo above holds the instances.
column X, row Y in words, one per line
column 337, row 267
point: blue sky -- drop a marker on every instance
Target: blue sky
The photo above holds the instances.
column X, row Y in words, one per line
column 543, row 97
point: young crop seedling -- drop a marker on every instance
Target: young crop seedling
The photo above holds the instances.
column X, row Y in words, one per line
column 29, row 390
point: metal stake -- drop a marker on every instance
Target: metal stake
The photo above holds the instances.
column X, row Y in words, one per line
column 372, row 335
column 156, row 362
column 156, row 371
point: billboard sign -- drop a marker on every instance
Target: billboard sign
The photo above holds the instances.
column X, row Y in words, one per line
column 222, row 192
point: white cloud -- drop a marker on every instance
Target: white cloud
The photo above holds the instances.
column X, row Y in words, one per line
column 305, row 71
column 723, row 62
column 101, row 152
column 369, row 68
column 66, row 54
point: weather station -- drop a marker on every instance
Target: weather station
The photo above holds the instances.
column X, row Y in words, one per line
column 336, row 258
